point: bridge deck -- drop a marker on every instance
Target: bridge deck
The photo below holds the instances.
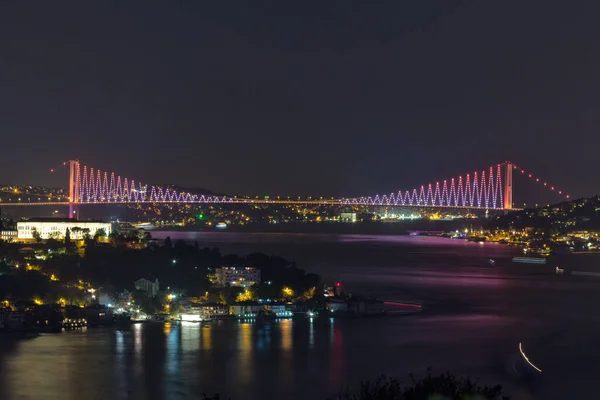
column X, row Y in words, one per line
column 336, row 203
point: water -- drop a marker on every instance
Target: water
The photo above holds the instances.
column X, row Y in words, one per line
column 477, row 316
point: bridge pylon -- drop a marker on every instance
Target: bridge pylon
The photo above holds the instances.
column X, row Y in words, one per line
column 508, row 186
column 72, row 188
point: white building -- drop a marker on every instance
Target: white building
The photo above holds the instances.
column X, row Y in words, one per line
column 147, row 286
column 240, row 310
column 238, row 276
column 57, row 227
column 348, row 217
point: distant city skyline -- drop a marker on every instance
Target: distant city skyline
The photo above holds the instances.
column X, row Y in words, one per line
column 338, row 99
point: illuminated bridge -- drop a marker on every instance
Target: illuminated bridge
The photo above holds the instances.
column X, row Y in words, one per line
column 489, row 189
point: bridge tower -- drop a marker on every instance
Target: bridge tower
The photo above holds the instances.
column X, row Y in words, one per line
column 508, row 186
column 72, row 188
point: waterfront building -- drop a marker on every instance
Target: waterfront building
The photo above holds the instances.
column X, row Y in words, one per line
column 147, row 286
column 240, row 310
column 237, row 276
column 57, row 228
column 348, row 217
column 208, row 310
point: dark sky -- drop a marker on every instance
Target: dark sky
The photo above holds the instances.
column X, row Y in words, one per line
column 312, row 98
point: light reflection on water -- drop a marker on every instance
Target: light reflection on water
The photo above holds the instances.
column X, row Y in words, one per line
column 245, row 368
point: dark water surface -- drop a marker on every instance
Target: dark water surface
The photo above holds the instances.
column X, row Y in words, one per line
column 475, row 317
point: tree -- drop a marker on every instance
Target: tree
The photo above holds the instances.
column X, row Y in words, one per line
column 76, row 232
column 132, row 235
column 114, row 237
column 100, row 234
column 36, row 236
column 246, row 295
column 86, row 234
column 54, row 235
column 287, row 292
column 310, row 293
column 67, row 237
column 147, row 304
column 444, row 386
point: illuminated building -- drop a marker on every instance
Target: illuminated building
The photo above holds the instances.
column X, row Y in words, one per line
column 237, row 276
column 8, row 235
column 57, row 228
column 348, row 217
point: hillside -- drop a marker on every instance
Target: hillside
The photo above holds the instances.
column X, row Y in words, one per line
column 580, row 214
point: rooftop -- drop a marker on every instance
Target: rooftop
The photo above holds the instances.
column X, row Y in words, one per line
column 60, row 220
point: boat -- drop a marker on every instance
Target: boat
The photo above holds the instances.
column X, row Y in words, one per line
column 529, row 260
column 560, row 271
column 491, row 262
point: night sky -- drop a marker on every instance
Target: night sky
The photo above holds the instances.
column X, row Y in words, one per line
column 300, row 98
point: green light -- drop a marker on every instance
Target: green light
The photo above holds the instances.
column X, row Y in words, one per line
column 200, row 216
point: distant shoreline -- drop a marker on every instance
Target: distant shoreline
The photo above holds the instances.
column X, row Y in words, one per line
column 380, row 228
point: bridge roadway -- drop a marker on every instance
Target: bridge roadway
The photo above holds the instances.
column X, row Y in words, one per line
column 228, row 200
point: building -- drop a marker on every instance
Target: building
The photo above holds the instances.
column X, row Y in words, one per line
column 348, row 217
column 57, row 228
column 205, row 311
column 250, row 309
column 8, row 236
column 237, row 276
column 147, row 286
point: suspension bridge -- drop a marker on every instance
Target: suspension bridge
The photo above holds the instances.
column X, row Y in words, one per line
column 489, row 189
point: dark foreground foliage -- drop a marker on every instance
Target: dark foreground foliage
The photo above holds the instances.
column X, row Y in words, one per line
column 432, row 387
column 440, row 387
